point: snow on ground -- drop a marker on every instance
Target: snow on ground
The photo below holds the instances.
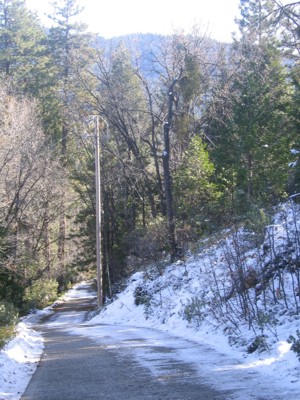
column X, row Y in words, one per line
column 274, row 374
column 80, row 291
column 18, row 361
column 19, row 358
column 66, row 319
column 222, row 369
column 166, row 299
column 218, row 349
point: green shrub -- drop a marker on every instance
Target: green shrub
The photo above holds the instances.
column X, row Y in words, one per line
column 259, row 343
column 6, row 333
column 194, row 310
column 8, row 319
column 256, row 221
column 141, row 296
column 41, row 293
column 8, row 314
column 295, row 343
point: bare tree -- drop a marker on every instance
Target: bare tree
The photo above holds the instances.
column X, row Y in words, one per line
column 30, row 192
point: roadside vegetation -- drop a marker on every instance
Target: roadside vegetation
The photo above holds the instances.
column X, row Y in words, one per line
column 199, row 142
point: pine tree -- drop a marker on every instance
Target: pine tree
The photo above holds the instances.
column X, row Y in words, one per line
column 21, row 45
column 69, row 54
column 256, row 18
column 252, row 127
column 195, row 193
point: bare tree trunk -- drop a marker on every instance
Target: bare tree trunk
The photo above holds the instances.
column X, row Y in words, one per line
column 153, row 146
column 167, row 175
column 249, row 178
column 47, row 237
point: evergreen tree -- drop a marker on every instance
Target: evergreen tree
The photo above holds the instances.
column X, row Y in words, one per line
column 287, row 17
column 69, row 53
column 21, row 45
column 251, row 127
column 196, row 195
column 256, row 19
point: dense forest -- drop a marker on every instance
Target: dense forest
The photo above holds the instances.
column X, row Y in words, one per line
column 195, row 136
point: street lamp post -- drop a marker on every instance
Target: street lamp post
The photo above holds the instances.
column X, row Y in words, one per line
column 98, row 214
column 99, row 209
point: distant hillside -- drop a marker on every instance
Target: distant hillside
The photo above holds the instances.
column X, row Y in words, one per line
column 145, row 47
column 137, row 41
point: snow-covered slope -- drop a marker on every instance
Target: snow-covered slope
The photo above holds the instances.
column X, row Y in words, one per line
column 239, row 294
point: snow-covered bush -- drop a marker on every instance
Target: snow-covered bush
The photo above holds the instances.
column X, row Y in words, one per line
column 142, row 296
column 194, row 309
column 295, row 343
column 259, row 344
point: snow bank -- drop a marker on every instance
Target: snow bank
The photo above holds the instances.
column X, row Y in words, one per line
column 18, row 361
column 19, row 358
column 164, row 301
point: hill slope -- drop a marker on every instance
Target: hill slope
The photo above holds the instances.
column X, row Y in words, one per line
column 239, row 294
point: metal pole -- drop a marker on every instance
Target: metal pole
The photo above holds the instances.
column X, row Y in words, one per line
column 98, row 214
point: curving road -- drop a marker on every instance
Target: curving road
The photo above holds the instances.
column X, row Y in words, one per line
column 78, row 368
column 112, row 362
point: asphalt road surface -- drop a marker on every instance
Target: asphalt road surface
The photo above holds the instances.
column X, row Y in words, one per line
column 78, row 368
